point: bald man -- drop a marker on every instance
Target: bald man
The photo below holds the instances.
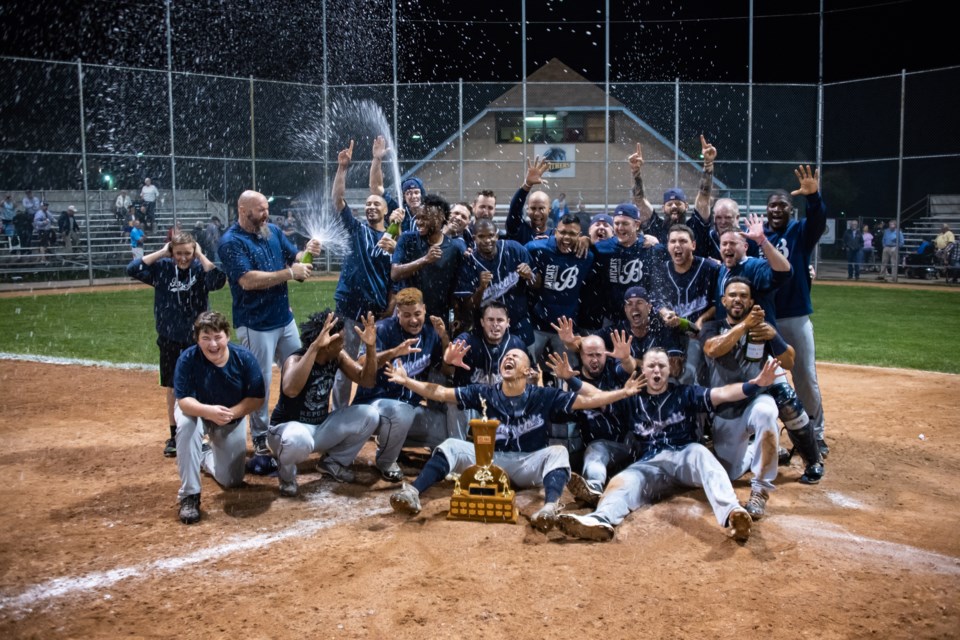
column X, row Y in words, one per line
column 259, row 260
column 537, row 206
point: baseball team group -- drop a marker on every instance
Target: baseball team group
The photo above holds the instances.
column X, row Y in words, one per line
column 626, row 355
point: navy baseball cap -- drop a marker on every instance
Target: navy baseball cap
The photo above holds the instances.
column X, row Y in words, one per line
column 413, row 183
column 674, row 194
column 636, row 292
column 627, row 209
column 602, row 217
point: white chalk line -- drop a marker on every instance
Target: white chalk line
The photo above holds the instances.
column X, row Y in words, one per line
column 26, row 357
column 841, row 540
column 844, row 501
column 58, row 588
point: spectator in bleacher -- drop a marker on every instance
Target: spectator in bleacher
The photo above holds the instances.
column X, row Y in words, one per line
column 149, row 194
column 136, row 239
column 69, row 228
column 853, row 245
column 7, row 211
column 174, row 230
column 121, row 206
column 211, row 236
column 942, row 243
column 43, row 228
column 558, row 209
column 182, row 278
column 867, row 248
column 31, row 203
column 892, row 244
column 23, row 227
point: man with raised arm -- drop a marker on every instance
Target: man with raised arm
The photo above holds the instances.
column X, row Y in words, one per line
column 364, row 285
column 537, row 206
column 412, row 189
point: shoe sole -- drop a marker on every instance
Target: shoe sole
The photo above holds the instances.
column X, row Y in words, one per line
column 543, row 525
column 402, row 506
column 740, row 522
column 576, row 529
column 338, row 478
column 169, row 454
column 582, row 492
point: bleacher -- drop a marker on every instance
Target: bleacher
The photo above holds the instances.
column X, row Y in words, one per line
column 108, row 248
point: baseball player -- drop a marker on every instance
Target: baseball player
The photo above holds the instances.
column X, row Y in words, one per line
column 181, row 277
column 765, row 276
column 664, row 435
column 521, row 447
column 796, row 241
column 302, row 422
column 217, row 384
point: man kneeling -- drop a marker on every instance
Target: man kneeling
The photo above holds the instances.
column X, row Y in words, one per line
column 216, row 384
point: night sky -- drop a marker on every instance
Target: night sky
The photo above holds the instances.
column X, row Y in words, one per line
column 480, row 41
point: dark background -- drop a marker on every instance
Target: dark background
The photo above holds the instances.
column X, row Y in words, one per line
column 481, row 41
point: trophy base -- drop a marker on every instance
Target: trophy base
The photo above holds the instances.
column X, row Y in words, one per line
column 478, row 498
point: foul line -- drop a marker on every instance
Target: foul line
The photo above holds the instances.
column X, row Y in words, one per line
column 57, row 588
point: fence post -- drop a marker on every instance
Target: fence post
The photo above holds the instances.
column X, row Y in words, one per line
column 83, row 161
column 173, row 159
column 253, row 142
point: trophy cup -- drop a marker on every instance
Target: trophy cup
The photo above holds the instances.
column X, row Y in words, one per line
column 482, row 492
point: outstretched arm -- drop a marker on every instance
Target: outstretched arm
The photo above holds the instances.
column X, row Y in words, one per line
column 429, row 390
column 340, row 180
column 778, row 262
column 702, row 203
column 364, row 375
column 597, row 398
column 740, row 390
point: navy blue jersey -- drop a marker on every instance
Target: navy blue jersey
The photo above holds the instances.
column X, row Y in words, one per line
column 593, row 296
column 507, row 286
column 198, row 378
column 690, row 294
column 484, row 358
column 797, row 242
column 409, row 223
column 240, row 252
column 436, row 281
column 625, row 267
column 524, row 419
column 179, row 295
column 667, row 420
column 658, row 335
column 389, row 335
column 606, row 422
column 563, row 277
column 365, row 272
column 519, row 229
column 763, row 279
column 312, row 404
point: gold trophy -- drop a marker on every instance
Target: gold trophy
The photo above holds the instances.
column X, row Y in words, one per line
column 482, row 492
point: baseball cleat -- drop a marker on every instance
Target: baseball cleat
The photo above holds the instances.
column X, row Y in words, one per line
column 289, row 489
column 170, row 448
column 585, row 527
column 392, row 473
column 583, row 490
column 740, row 522
column 757, row 504
column 190, row 509
column 545, row 518
column 812, row 474
column 332, row 468
column 407, row 500
column 783, row 456
column 260, row 447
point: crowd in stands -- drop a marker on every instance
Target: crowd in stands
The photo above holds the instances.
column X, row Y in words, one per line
column 626, row 356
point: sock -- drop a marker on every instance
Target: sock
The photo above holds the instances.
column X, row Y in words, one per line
column 433, row 472
column 173, row 431
column 554, row 482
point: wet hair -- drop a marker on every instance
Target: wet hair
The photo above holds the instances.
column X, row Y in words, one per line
column 682, row 228
column 312, row 326
column 483, row 223
column 783, row 193
column 654, row 350
column 467, row 206
column 433, row 201
column 408, row 296
column 738, row 280
column 486, row 193
column 210, row 321
column 569, row 218
column 494, row 304
column 183, row 237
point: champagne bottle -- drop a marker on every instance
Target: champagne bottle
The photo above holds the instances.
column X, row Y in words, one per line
column 393, row 230
column 307, row 257
column 688, row 327
column 755, row 348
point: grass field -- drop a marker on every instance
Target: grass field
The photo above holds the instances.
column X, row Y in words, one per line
column 883, row 326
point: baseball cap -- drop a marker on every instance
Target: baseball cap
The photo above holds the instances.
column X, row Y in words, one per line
column 636, row 292
column 674, row 194
column 412, row 183
column 602, row 217
column 627, row 209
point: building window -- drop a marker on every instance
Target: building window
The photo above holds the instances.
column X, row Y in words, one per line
column 551, row 127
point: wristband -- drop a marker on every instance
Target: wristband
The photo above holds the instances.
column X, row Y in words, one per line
column 749, row 389
column 575, row 384
column 292, row 277
column 778, row 344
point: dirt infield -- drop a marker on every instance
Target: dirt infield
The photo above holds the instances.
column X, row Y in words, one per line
column 93, row 548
